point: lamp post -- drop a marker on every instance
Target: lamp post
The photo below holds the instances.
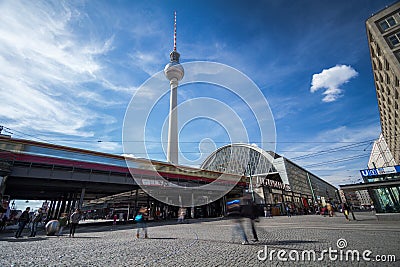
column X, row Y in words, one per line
column 250, row 181
column 312, row 189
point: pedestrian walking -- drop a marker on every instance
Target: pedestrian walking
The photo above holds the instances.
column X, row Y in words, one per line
column 346, row 210
column 288, row 210
column 37, row 218
column 181, row 215
column 22, row 221
column 63, row 220
column 141, row 221
column 74, row 220
column 115, row 217
column 330, row 209
column 235, row 212
column 251, row 211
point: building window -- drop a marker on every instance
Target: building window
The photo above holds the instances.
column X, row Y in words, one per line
column 387, row 67
column 387, row 23
column 394, row 39
column 387, row 81
column 378, row 51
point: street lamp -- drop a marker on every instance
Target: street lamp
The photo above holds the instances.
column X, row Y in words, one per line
column 250, row 181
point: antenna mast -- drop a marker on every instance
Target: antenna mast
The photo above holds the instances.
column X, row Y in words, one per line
column 175, row 31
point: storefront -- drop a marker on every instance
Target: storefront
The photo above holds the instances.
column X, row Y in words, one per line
column 276, row 195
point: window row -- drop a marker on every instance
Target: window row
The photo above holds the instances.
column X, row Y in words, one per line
column 387, row 23
column 394, row 39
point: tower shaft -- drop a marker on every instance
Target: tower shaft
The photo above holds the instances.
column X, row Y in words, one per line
column 172, row 150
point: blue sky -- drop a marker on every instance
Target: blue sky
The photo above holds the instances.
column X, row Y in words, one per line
column 70, row 68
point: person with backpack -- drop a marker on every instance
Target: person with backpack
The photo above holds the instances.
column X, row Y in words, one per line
column 22, row 221
column 35, row 221
column 141, row 219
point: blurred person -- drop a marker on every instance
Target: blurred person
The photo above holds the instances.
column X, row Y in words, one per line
column 235, row 212
column 74, row 220
column 251, row 211
column 22, row 221
column 115, row 217
column 141, row 220
column 63, row 220
column 37, row 218
column 288, row 210
column 346, row 210
column 181, row 215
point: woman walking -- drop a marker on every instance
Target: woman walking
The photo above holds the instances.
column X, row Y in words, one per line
column 140, row 219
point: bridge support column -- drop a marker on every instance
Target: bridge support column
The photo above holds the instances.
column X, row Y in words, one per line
column 81, row 198
column 192, row 208
column 68, row 208
column 56, row 211
column 223, row 205
column 62, row 208
column 51, row 209
column 3, row 180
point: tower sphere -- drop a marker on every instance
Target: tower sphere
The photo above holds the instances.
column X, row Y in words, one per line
column 174, row 70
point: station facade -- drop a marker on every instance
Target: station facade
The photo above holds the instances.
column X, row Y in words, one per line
column 273, row 181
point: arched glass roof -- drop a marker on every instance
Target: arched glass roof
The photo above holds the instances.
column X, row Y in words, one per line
column 240, row 159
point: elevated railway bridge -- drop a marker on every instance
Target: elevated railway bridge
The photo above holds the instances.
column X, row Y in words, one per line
column 70, row 177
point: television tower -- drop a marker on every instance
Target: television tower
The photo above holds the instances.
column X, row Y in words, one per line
column 174, row 73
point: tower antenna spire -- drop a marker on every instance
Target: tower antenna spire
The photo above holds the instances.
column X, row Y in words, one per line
column 175, row 31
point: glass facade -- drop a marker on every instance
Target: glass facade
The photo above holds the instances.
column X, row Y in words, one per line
column 276, row 181
column 386, row 199
column 383, row 185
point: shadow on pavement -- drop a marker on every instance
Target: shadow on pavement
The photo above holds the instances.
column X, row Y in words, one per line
column 22, row 240
column 162, row 238
column 287, row 242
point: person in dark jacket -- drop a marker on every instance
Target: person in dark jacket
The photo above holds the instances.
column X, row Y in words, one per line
column 35, row 221
column 235, row 212
column 22, row 221
column 250, row 211
column 74, row 220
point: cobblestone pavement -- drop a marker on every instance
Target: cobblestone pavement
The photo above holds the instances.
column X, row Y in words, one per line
column 209, row 243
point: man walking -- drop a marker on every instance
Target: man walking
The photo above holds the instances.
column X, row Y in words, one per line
column 35, row 221
column 22, row 221
column 74, row 219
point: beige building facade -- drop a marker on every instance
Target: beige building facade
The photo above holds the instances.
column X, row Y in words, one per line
column 383, row 31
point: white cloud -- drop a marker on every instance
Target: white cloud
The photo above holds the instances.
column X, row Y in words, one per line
column 50, row 74
column 331, row 79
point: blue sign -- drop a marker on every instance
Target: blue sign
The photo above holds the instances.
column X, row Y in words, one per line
column 380, row 171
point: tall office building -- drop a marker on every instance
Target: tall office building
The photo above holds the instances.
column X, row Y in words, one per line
column 383, row 31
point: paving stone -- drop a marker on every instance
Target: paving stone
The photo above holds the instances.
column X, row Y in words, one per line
column 206, row 243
